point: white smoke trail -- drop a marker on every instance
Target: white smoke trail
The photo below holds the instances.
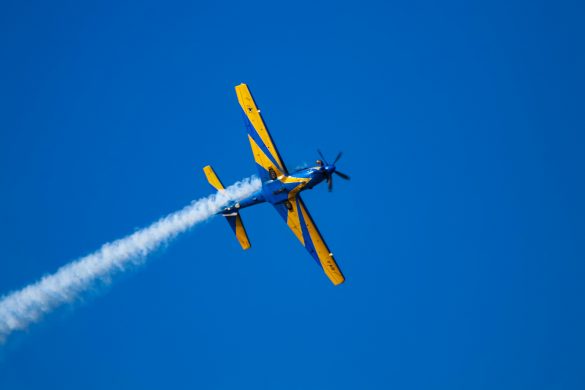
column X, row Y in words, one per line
column 23, row 307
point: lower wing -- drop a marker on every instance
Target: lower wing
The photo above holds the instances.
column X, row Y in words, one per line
column 298, row 219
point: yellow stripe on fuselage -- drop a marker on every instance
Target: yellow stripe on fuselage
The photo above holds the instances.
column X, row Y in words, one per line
column 302, row 181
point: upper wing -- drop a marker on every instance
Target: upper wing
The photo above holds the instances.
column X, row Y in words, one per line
column 263, row 148
column 300, row 222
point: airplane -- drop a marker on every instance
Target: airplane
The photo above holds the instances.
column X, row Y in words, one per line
column 281, row 189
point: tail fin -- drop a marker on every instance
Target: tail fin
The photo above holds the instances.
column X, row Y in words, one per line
column 233, row 218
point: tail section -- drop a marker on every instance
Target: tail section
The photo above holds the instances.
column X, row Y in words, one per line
column 237, row 226
column 233, row 218
column 212, row 178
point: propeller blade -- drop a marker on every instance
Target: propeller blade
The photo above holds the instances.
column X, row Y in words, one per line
column 330, row 183
column 322, row 158
column 337, row 158
column 342, row 175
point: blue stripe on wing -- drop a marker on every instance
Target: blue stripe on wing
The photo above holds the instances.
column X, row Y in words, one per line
column 256, row 137
column 306, row 236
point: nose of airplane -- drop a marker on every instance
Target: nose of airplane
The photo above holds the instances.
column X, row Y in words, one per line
column 330, row 169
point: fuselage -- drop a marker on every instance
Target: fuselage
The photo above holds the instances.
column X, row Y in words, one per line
column 283, row 188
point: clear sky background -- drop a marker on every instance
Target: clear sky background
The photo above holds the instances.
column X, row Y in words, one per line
column 461, row 234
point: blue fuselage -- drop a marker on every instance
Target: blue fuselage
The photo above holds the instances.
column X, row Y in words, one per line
column 283, row 188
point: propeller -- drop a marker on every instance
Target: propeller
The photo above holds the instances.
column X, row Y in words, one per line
column 342, row 175
column 330, row 169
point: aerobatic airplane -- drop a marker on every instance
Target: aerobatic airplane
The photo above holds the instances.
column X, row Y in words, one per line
column 281, row 189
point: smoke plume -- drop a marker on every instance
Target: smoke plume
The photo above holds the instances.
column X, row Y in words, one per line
column 23, row 307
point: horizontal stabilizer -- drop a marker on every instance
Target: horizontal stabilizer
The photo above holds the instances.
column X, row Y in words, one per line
column 212, row 178
column 233, row 218
column 237, row 226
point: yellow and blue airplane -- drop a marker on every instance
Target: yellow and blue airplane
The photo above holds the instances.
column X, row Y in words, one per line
column 280, row 188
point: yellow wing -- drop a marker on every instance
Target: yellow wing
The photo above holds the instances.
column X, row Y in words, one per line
column 265, row 153
column 299, row 220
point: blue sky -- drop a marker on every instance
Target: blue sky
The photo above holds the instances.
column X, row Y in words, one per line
column 460, row 234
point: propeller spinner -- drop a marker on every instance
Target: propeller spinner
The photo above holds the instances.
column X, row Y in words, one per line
column 330, row 170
